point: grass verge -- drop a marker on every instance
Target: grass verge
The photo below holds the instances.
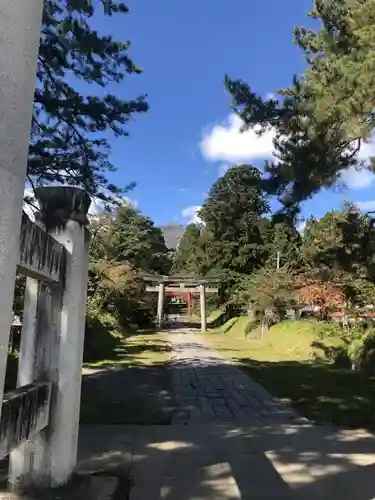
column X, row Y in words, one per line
column 141, row 348
column 132, row 386
column 284, row 364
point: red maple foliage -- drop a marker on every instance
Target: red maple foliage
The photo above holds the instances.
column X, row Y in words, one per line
column 325, row 295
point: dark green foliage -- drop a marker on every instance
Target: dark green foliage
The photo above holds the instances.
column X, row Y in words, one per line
column 234, row 201
column 69, row 141
column 284, row 240
column 341, row 245
column 237, row 237
column 362, row 353
column 135, row 239
column 117, row 303
column 189, row 255
column 340, row 78
column 267, row 293
column 350, row 346
column 323, row 118
column 307, row 157
column 235, row 227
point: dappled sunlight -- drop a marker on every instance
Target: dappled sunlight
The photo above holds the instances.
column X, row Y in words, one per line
column 317, row 389
column 301, row 474
column 214, row 481
column 170, row 445
column 235, row 462
column 273, row 457
column 98, row 463
column 138, row 349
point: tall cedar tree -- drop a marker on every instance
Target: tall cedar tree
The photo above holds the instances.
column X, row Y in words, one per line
column 134, row 238
column 233, row 216
column 324, row 117
column 69, row 140
column 189, row 254
column 285, row 241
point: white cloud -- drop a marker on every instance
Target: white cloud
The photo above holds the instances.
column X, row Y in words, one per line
column 367, row 149
column 360, row 179
column 357, row 179
column 366, row 206
column 227, row 143
column 191, row 214
column 97, row 206
column 301, row 226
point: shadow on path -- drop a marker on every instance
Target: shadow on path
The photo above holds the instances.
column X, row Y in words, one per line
column 220, row 462
column 266, row 456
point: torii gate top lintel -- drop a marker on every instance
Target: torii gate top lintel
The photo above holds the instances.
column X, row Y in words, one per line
column 181, row 280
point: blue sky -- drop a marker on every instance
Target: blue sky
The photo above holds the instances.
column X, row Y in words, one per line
column 179, row 148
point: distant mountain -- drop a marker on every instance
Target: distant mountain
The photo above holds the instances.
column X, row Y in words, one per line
column 172, row 234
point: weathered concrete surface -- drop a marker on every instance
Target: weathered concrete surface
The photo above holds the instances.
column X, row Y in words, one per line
column 25, row 413
column 68, row 210
column 218, row 461
column 20, row 22
column 41, row 256
column 56, row 337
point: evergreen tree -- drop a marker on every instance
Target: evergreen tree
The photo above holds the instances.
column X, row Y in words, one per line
column 189, row 254
column 235, row 227
column 284, row 245
column 342, row 241
column 340, row 78
column 327, row 113
column 135, row 239
column 69, row 140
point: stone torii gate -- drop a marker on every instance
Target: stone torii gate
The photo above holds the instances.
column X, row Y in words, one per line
column 182, row 285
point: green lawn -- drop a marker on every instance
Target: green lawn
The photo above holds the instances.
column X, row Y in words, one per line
column 212, row 316
column 284, row 363
column 141, row 348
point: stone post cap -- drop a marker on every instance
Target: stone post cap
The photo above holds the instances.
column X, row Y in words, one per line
column 59, row 204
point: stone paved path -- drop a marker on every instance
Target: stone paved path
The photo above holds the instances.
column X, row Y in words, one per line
column 209, row 389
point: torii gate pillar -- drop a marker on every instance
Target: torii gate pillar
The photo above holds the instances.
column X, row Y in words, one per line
column 159, row 319
column 202, row 293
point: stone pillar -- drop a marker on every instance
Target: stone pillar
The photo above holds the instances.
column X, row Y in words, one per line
column 202, row 294
column 159, row 319
column 20, row 22
column 26, row 362
column 50, row 458
column 188, row 300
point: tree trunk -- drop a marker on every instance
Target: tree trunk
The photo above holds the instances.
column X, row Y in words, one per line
column 265, row 326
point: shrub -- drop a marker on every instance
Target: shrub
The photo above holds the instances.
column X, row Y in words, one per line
column 353, row 346
column 362, row 353
column 335, row 354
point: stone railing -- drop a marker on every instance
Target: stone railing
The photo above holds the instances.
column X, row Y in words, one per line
column 39, row 420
